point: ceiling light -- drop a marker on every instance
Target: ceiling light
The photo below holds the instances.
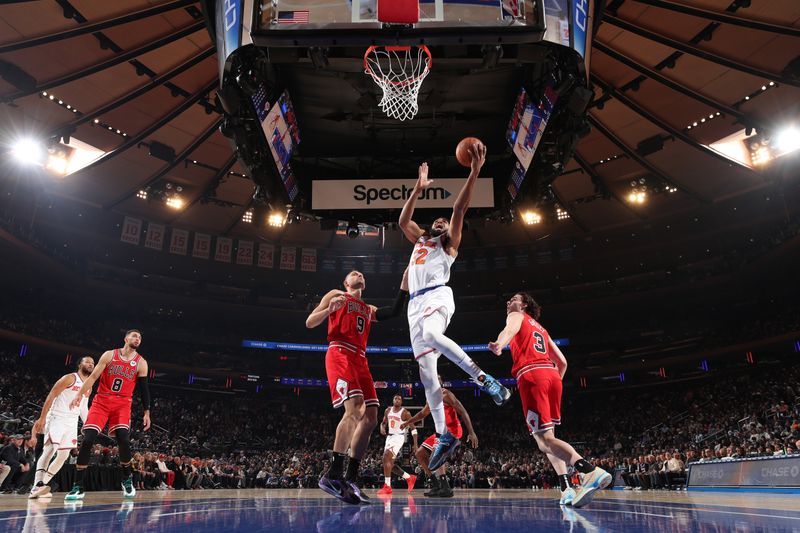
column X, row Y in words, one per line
column 248, row 216
column 276, row 220
column 97, row 121
column 787, row 140
column 772, row 84
column 52, row 97
column 531, row 217
column 175, row 202
column 561, row 214
column 28, row 151
column 142, row 194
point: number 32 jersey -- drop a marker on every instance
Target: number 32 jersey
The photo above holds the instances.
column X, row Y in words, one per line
column 530, row 347
column 350, row 324
column 119, row 377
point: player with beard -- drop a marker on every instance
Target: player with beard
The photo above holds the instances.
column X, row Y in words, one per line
column 119, row 371
column 59, row 423
column 350, row 380
column 431, row 305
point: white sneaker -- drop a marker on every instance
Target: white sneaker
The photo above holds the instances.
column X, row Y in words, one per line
column 39, row 490
column 591, row 482
column 567, row 496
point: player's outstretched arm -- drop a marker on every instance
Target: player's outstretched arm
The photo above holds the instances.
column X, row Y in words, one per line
column 142, row 383
column 330, row 303
column 478, row 153
column 406, row 417
column 86, row 389
column 513, row 323
column 394, row 310
column 558, row 358
column 416, row 418
column 59, row 387
column 411, row 229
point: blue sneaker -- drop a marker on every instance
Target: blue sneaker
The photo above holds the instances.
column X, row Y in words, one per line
column 590, row 483
column 338, row 489
column 446, row 445
column 495, row 389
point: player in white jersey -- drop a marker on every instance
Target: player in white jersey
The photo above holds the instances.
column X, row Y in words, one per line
column 60, row 423
column 431, row 304
column 393, row 418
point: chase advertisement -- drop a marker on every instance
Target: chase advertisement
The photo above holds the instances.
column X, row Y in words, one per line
column 779, row 472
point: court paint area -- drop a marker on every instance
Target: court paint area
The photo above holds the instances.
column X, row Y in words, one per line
column 301, row 510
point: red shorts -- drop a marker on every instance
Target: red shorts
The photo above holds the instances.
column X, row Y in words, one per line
column 540, row 391
column 349, row 376
column 114, row 410
column 431, row 441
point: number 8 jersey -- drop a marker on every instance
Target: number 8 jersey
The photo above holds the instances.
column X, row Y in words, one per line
column 530, row 347
column 119, row 377
column 350, row 325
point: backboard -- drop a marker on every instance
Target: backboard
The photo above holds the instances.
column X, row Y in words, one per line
column 355, row 22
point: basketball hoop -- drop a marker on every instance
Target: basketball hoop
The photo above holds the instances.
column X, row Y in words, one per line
column 399, row 71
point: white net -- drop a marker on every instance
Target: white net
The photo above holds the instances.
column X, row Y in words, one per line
column 399, row 72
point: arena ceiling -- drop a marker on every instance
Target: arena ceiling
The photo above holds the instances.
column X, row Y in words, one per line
column 669, row 78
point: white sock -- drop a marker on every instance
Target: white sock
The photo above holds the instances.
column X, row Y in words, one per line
column 406, row 475
column 433, row 334
column 38, row 477
column 387, row 480
column 55, row 466
column 44, row 461
column 433, row 390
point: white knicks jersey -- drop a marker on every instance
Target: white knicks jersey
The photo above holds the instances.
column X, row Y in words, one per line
column 60, row 405
column 430, row 264
column 395, row 419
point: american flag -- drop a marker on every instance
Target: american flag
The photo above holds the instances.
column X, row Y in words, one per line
column 293, row 17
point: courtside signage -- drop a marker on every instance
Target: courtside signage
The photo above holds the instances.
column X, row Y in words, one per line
column 392, row 194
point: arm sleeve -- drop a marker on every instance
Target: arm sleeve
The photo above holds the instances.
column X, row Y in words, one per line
column 391, row 311
column 142, row 382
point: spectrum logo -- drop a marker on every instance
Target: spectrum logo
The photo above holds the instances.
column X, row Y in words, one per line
column 362, row 193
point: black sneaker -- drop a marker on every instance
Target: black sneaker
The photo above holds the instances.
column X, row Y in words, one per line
column 436, row 487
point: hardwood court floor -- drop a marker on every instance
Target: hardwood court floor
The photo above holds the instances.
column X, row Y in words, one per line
column 299, row 510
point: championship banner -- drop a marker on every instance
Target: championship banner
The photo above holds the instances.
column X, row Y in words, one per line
column 131, row 230
column 392, row 194
column 224, row 248
column 155, row 236
column 288, row 257
column 266, row 253
column 202, row 246
column 179, row 242
column 244, row 255
column 308, row 260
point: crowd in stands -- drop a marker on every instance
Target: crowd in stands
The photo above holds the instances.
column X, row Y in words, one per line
column 204, row 441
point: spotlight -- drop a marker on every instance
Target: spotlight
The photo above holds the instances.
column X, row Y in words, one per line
column 276, row 220
column 531, row 217
column 175, row 202
column 142, row 194
column 28, row 151
column 352, row 229
column 248, row 216
column 788, row 140
column 561, row 214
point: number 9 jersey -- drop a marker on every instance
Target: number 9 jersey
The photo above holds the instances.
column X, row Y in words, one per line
column 350, row 324
column 119, row 377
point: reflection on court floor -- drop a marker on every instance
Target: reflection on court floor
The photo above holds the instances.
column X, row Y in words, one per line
column 306, row 510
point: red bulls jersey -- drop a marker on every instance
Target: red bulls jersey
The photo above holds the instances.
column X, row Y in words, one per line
column 451, row 420
column 349, row 326
column 119, row 376
column 530, row 347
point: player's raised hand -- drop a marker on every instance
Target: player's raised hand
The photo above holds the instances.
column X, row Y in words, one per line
column 146, row 420
column 472, row 438
column 495, row 348
column 478, row 153
column 423, row 182
column 336, row 303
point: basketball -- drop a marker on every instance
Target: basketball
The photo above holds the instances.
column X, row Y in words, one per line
column 462, row 150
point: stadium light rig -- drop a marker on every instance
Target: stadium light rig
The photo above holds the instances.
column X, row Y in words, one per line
column 248, row 216
column 175, row 202
column 531, row 217
column 276, row 220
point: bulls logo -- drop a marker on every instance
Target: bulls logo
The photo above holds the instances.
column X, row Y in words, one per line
column 533, row 421
column 133, row 363
column 341, row 388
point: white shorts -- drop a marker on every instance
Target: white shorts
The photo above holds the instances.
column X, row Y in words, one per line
column 395, row 444
column 423, row 306
column 62, row 431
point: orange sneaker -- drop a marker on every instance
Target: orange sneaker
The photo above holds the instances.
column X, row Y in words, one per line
column 411, row 480
column 386, row 489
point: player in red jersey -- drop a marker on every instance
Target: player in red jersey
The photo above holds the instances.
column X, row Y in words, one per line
column 118, row 370
column 453, row 411
column 349, row 378
column 539, row 367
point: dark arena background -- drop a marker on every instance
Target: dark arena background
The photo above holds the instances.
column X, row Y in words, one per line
column 205, row 172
